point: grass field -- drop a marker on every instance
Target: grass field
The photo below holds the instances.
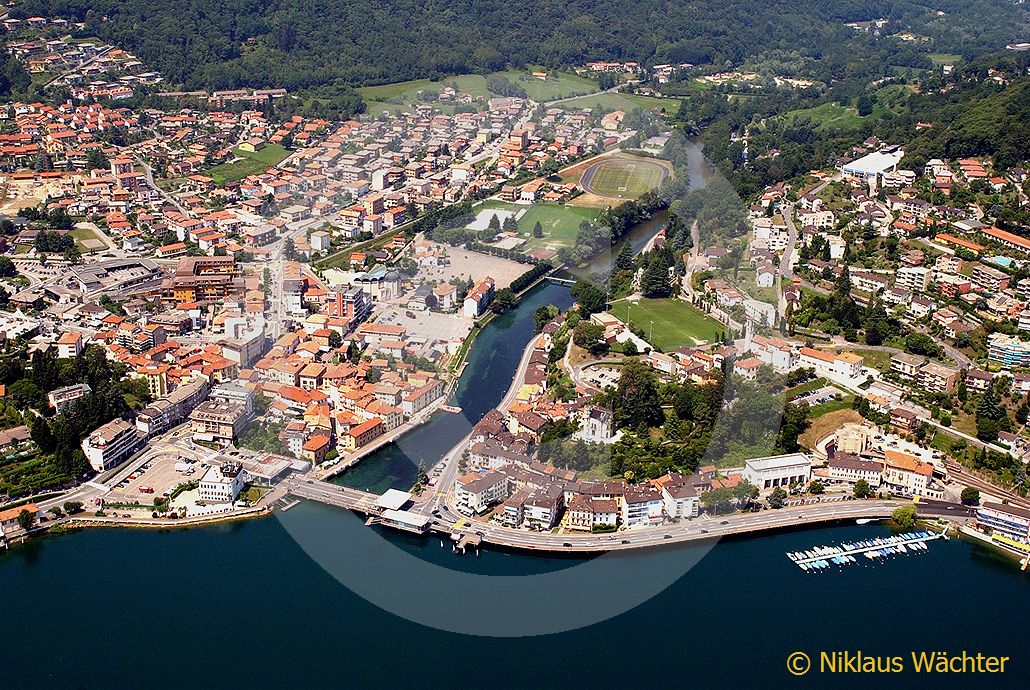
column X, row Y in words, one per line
column 249, row 164
column 87, row 241
column 939, row 59
column 828, row 115
column 623, row 178
column 560, row 223
column 889, row 99
column 877, row 359
column 621, row 101
column 398, row 96
column 668, row 323
column 557, row 85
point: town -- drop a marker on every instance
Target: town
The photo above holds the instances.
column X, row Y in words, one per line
column 214, row 304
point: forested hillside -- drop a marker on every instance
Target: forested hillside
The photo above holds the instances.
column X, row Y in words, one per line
column 971, row 114
column 305, row 43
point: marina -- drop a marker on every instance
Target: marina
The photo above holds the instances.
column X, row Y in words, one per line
column 823, row 557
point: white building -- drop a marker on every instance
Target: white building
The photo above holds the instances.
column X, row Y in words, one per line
column 110, row 444
column 680, row 499
column 474, row 493
column 915, row 278
column 846, row 365
column 776, row 353
column 642, row 505
column 222, row 483
column 778, row 470
column 873, row 165
column 847, row 468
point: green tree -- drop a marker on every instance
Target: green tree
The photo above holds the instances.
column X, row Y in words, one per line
column 543, row 315
column 504, row 299
column 905, row 516
column 989, row 414
column 590, row 336
column 538, row 230
column 636, row 399
column 589, row 298
column 816, row 487
column 793, row 424
column 96, row 159
column 655, row 280
column 624, row 259
column 864, row 105
column 777, row 498
column 862, row 489
column 25, row 519
column 7, row 267
column 970, row 495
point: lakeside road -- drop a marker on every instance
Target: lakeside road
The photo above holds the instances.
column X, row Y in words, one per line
column 701, row 529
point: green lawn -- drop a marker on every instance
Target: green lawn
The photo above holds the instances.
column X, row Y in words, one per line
column 889, row 99
column 831, row 406
column 621, row 101
column 668, row 323
column 828, row 115
column 399, row 96
column 249, row 164
column 402, row 90
column 557, row 85
column 813, row 385
column 81, row 235
column 939, row 59
column 625, row 179
column 875, row 359
column 560, row 223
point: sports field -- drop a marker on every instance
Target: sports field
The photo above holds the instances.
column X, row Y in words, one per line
column 560, row 223
column 623, row 178
column 668, row 323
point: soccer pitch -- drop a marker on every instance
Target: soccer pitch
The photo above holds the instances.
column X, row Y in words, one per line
column 622, row 178
column 668, row 323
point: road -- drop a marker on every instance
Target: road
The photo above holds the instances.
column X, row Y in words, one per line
column 786, row 259
column 87, row 63
column 149, row 173
column 704, row 528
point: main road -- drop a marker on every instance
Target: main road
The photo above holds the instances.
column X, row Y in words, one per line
column 704, row 528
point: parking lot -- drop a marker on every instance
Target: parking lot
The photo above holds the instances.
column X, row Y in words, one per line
column 158, row 473
column 465, row 264
column 428, row 325
column 820, row 396
column 602, row 377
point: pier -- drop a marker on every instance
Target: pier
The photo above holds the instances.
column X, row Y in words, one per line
column 821, row 557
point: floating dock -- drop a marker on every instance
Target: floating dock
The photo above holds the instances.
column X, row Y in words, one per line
column 822, row 557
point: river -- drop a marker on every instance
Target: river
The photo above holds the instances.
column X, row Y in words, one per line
column 699, row 172
column 492, row 361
